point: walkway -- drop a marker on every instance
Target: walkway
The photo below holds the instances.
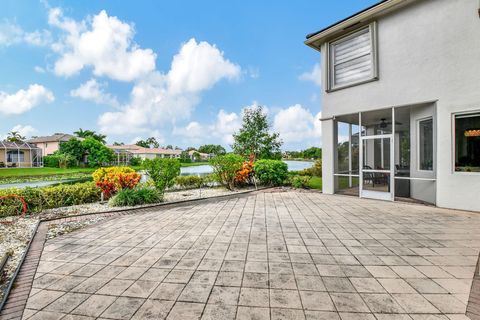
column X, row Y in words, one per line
column 279, row 255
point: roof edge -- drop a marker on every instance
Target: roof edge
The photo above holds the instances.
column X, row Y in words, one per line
column 315, row 39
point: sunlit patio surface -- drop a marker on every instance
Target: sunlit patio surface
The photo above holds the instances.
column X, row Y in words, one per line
column 269, row 255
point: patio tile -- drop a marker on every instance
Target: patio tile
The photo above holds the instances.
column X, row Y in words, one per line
column 250, row 313
column 313, row 283
column 285, row 299
column 219, row 311
column 153, row 310
column 313, row 300
column 349, row 302
column 367, row 285
column 381, row 303
column 115, row 287
column 224, row 295
column 414, row 303
column 94, row 305
column 43, row 298
column 123, row 308
column 338, row 284
column 167, row 291
column 287, row 314
column 141, row 289
column 186, row 311
column 195, row 292
column 254, row 297
column 67, row 302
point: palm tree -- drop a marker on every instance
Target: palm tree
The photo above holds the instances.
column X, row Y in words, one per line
column 90, row 134
column 15, row 136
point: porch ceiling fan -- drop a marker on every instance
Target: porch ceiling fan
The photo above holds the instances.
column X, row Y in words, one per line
column 384, row 124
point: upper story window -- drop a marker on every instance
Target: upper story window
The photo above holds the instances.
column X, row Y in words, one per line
column 352, row 59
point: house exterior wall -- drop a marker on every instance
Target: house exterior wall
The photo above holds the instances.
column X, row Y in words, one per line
column 26, row 163
column 48, row 147
column 427, row 51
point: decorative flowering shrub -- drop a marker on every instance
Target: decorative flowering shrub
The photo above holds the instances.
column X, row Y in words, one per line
column 244, row 175
column 113, row 179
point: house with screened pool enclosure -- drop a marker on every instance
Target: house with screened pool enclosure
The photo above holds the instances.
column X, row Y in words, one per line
column 401, row 102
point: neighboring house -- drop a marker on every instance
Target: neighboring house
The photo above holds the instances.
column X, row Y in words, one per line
column 128, row 151
column 198, row 156
column 20, row 155
column 50, row 144
column 405, row 75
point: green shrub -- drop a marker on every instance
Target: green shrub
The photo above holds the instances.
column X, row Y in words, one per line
column 270, row 172
column 50, row 161
column 185, row 160
column 162, row 171
column 189, row 182
column 225, row 168
column 135, row 197
column 300, row 182
column 314, row 171
column 38, row 199
column 135, row 161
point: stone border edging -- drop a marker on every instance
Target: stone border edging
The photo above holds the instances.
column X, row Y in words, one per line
column 20, row 297
column 17, row 270
column 473, row 305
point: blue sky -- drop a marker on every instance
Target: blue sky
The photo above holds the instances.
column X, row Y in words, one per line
column 181, row 71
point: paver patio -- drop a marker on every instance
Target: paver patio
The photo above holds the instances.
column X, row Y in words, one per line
column 270, row 255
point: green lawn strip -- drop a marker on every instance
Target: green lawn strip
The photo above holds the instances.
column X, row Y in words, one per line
column 30, row 172
column 315, row 183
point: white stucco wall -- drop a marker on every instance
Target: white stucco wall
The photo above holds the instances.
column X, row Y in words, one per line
column 428, row 51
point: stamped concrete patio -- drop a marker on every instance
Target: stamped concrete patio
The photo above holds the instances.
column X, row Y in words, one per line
column 270, row 255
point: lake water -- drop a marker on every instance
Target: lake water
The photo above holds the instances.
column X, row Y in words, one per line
column 184, row 171
column 206, row 169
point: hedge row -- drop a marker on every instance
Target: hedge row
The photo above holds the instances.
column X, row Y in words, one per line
column 38, row 199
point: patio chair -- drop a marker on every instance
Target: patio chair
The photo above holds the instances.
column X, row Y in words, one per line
column 2, row 164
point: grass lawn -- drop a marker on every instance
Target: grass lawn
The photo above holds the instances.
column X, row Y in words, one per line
column 31, row 172
column 315, row 183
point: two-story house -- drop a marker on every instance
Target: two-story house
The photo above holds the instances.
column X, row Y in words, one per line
column 401, row 102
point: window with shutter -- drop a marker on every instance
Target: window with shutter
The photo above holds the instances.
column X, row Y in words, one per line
column 352, row 59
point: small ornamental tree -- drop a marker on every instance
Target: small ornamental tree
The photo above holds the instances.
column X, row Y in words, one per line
column 162, row 172
column 254, row 137
column 225, row 169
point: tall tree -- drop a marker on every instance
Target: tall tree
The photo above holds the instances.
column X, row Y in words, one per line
column 90, row 134
column 15, row 136
column 74, row 148
column 254, row 136
column 148, row 143
column 215, row 149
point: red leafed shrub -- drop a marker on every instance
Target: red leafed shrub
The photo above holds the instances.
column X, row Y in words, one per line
column 108, row 188
column 113, row 179
column 245, row 173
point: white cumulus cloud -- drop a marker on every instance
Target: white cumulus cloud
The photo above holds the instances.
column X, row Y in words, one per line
column 11, row 33
column 102, row 42
column 24, row 100
column 314, row 75
column 160, row 98
column 298, row 125
column 26, row 130
column 94, row 91
column 198, row 66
